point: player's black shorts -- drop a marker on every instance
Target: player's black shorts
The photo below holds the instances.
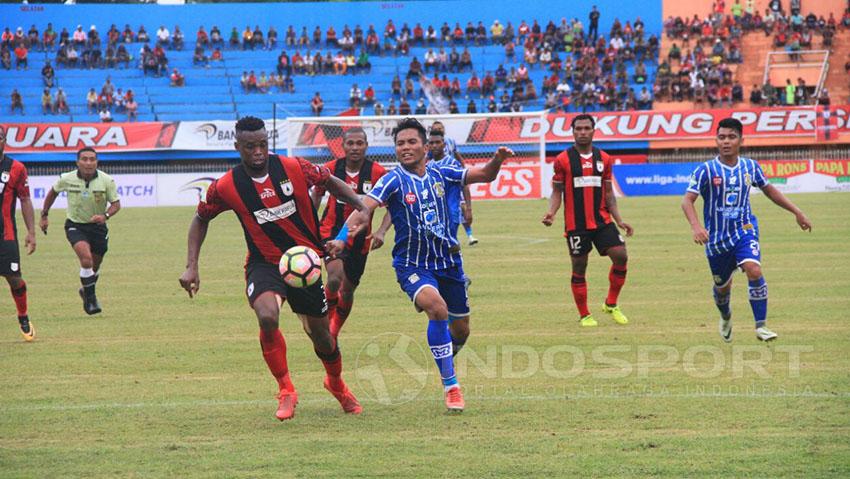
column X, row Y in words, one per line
column 10, row 258
column 263, row 277
column 95, row 234
column 581, row 242
column 353, row 263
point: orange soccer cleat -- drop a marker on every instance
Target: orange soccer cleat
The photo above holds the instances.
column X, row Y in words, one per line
column 344, row 396
column 454, row 399
column 287, row 400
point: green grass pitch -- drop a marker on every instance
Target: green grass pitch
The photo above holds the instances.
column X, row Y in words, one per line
column 163, row 386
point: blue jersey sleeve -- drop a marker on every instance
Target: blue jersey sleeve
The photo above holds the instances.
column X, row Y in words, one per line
column 384, row 188
column 453, row 174
column 699, row 179
column 759, row 180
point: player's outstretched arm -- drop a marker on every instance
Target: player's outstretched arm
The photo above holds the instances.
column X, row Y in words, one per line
column 45, row 209
column 378, row 235
column 190, row 280
column 29, row 220
column 342, row 191
column 490, row 171
column 554, row 203
column 700, row 234
column 777, row 197
column 354, row 224
column 611, row 203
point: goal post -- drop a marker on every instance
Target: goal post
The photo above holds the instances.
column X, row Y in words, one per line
column 477, row 136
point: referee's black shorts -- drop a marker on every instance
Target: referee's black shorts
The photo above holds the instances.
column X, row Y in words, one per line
column 95, row 234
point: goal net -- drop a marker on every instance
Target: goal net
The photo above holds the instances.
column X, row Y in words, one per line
column 477, row 136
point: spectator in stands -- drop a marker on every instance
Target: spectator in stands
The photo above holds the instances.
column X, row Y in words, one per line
column 317, row 104
column 122, row 56
column 823, row 99
column 391, row 108
column 17, row 102
column 404, row 107
column 257, row 38
column 48, row 38
column 105, row 115
column 756, row 96
column 364, row 65
column 47, row 74
column 177, row 38
column 21, row 54
column 288, row 84
column 790, row 92
column 234, row 41
column 47, row 102
column 60, row 105
column 271, row 38
column 131, row 107
column 177, row 78
column 408, row 88
column 163, row 36
column 215, row 37
column 415, row 68
column 247, row 38
column 644, row 100
column 91, row 101
column 465, row 60
column 263, row 83
column 369, row 95
column 199, row 57
column 354, row 94
column 142, row 35
column 737, row 92
column 284, row 65
column 351, row 63
column 339, row 64
column 379, row 108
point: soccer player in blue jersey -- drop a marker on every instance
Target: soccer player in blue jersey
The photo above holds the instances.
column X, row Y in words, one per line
column 426, row 255
column 731, row 234
column 450, row 150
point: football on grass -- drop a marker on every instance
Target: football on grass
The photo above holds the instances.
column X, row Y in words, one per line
column 300, row 267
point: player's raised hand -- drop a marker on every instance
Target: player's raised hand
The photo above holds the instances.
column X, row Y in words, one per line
column 804, row 222
column 504, row 153
column 377, row 240
column 29, row 241
column 190, row 280
column 548, row 218
column 626, row 227
column 700, row 235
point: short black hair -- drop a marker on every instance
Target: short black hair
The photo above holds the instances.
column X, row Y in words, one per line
column 732, row 124
column 353, row 130
column 438, row 122
column 85, row 149
column 408, row 124
column 437, row 133
column 249, row 123
column 583, row 116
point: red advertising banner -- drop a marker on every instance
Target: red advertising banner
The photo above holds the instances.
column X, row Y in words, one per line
column 518, row 179
column 64, row 137
column 683, row 125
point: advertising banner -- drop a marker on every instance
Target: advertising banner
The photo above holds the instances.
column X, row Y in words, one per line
column 133, row 190
column 70, row 137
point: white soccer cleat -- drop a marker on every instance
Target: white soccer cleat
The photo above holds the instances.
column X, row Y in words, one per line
column 764, row 334
column 726, row 329
column 473, row 241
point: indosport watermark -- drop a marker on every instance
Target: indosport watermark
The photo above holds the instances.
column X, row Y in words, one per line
column 394, row 368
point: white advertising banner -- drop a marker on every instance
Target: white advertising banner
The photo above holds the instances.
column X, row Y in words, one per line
column 133, row 190
column 220, row 135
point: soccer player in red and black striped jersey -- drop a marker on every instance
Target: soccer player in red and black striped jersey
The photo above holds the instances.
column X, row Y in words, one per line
column 345, row 271
column 270, row 196
column 583, row 182
column 14, row 186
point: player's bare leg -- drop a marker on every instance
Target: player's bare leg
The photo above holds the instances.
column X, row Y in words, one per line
column 343, row 309
column 326, row 348
column 267, row 309
column 439, row 339
column 18, row 287
column 578, row 284
column 88, row 276
column 721, row 299
column 459, row 329
column 336, row 273
column 758, row 299
column 616, row 279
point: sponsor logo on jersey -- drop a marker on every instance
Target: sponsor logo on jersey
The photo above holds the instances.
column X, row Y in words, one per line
column 600, row 166
column 4, row 177
column 439, row 190
column 413, row 278
column 367, row 187
column 716, row 180
column 267, row 193
column 410, row 198
column 587, row 164
column 587, row 181
column 270, row 215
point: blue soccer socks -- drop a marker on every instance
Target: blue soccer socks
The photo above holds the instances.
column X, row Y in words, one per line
column 758, row 300
column 440, row 341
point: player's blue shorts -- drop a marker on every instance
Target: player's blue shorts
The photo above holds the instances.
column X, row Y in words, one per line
column 724, row 264
column 450, row 283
